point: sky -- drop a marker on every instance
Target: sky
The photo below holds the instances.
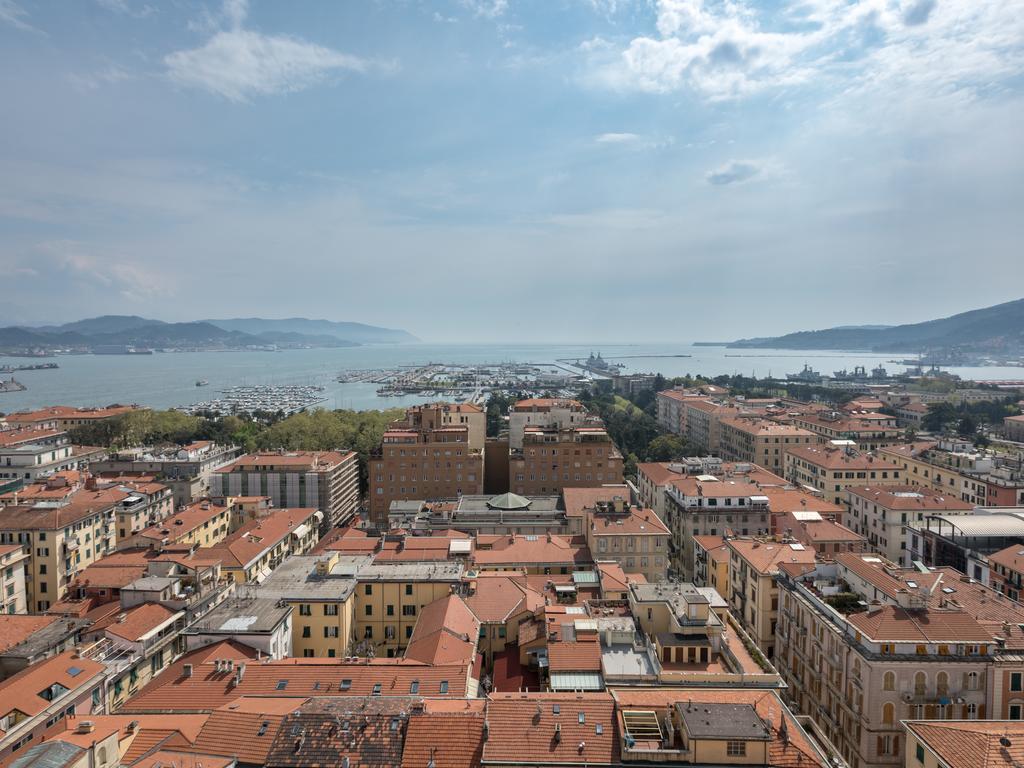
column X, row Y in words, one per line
column 513, row 170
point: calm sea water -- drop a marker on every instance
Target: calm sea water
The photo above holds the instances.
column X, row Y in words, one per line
column 166, row 380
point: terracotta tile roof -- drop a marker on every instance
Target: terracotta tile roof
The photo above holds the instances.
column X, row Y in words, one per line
column 762, row 427
column 246, row 728
column 797, row 751
column 1012, row 558
column 253, row 538
column 184, row 521
column 101, row 575
column 836, row 458
column 21, row 691
column 635, row 522
column 69, row 412
column 911, row 498
column 80, row 505
column 500, row 595
column 765, row 556
column 182, row 759
column 26, row 436
column 521, row 729
column 578, row 500
column 323, row 732
column 138, row 622
column 17, row 628
column 972, row 743
column 445, row 632
column 711, row 543
column 207, row 689
column 582, row 656
column 891, row 623
column 529, row 550
column 613, row 578
column 447, row 739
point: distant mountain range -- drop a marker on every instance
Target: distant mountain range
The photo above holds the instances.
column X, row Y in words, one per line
column 993, row 330
column 111, row 331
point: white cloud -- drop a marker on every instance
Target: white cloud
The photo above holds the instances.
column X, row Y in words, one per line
column 90, row 81
column 13, row 14
column 127, row 8
column 490, row 9
column 730, row 49
column 237, row 63
column 617, row 138
column 125, row 275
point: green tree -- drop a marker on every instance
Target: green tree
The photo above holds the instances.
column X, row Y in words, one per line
column 666, row 448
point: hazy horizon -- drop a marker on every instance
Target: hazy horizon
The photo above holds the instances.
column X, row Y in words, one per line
column 508, row 170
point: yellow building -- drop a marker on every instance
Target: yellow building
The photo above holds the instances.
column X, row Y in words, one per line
column 320, row 589
column 754, row 595
column 832, row 469
column 250, row 553
column 390, row 596
column 759, row 441
column 203, row 523
column 711, row 564
column 63, row 534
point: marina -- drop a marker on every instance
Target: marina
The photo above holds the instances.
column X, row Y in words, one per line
column 286, row 399
column 471, row 383
column 32, row 367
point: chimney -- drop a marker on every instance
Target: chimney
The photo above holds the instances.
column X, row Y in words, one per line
column 86, row 726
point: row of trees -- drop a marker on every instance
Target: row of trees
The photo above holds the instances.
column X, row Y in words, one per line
column 315, row 430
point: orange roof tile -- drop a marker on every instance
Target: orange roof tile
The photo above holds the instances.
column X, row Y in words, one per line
column 16, row 629
column 444, row 739
column 521, row 729
column 972, row 743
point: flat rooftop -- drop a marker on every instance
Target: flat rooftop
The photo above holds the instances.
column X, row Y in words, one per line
column 238, row 615
column 296, row 578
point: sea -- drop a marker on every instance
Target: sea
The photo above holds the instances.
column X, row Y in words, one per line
column 168, row 379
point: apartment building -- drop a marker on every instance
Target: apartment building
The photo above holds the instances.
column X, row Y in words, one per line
column 760, row 441
column 390, row 596
column 321, row 592
column 14, row 560
column 251, row 552
column 633, row 537
column 62, row 534
column 436, row 452
column 742, row 504
column 200, row 524
column 932, row 644
column 64, row 417
column 832, row 468
column 671, row 413
column 870, row 431
column 561, row 413
column 185, row 469
column 327, row 480
column 880, row 513
column 711, row 564
column 41, row 695
column 753, row 592
column 28, row 454
column 702, row 421
column 957, row 468
column 553, row 458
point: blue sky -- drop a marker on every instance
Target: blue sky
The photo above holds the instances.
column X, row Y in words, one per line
column 511, row 170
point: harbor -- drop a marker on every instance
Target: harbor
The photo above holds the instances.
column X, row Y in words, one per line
column 284, row 399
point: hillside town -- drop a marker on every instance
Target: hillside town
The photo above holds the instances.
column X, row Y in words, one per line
column 808, row 583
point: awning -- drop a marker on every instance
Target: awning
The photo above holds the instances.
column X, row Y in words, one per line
column 319, row 516
column 577, row 681
column 300, row 530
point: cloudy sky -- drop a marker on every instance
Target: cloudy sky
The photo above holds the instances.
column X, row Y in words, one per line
column 546, row 170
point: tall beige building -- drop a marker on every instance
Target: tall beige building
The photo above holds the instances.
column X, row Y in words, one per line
column 832, row 469
column 760, row 441
column 327, row 481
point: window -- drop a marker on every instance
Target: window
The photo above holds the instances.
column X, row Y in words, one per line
column 889, row 681
column 331, row 610
column 390, row 610
column 919, row 753
column 414, row 686
column 408, row 610
column 376, row 689
column 736, row 748
column 282, row 684
column 408, row 589
column 888, row 713
column 344, row 685
column 305, row 609
column 368, row 589
column 444, row 688
column 305, row 631
column 1015, row 681
column 369, row 610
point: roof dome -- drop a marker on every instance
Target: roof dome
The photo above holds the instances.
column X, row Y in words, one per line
column 509, row 501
